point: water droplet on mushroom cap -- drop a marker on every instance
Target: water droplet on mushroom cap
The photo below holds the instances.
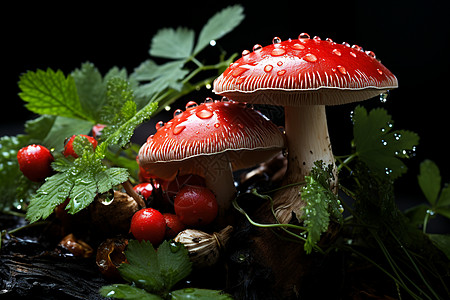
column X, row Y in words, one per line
column 276, row 40
column 257, row 47
column 191, row 104
column 204, row 114
column 177, row 112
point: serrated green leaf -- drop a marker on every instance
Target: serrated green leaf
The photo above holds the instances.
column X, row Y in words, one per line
column 219, row 25
column 90, row 88
column 174, row 263
column 377, row 146
column 199, row 294
column 429, row 180
column 142, row 268
column 52, row 193
column 156, row 78
column 173, row 43
column 51, row 93
column 125, row 291
column 316, row 216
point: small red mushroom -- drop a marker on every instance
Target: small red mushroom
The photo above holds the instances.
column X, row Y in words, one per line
column 211, row 140
column 304, row 75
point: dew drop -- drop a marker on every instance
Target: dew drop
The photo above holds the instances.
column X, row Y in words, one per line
column 329, row 40
column 159, row 125
column 268, row 68
column 245, row 52
column 342, row 70
column 352, row 54
column 337, row 52
column 384, row 96
column 209, row 100
column 357, row 48
column 380, row 71
column 213, row 42
column 257, row 47
column 316, row 38
column 178, row 129
column 191, row 104
column 384, row 142
column 281, row 72
column 204, row 114
column 278, row 52
column 276, row 40
column 303, row 36
column 371, row 54
column 177, row 112
column 238, row 71
column 224, row 99
column 297, row 46
column 346, row 44
column 310, row 57
column 217, row 125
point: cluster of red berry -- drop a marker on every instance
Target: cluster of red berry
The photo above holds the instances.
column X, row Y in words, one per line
column 194, row 205
column 35, row 160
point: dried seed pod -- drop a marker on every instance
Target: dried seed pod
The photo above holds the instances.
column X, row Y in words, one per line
column 204, row 248
column 110, row 254
column 75, row 246
column 113, row 216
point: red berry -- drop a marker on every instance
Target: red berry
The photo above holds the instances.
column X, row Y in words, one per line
column 68, row 148
column 34, row 162
column 148, row 224
column 145, row 189
column 173, row 187
column 173, row 225
column 195, row 205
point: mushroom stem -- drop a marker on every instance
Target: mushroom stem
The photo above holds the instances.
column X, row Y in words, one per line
column 218, row 176
column 308, row 141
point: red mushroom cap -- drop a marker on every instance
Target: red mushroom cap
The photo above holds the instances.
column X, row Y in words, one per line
column 208, row 129
column 305, row 71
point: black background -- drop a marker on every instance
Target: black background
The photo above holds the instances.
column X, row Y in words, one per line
column 410, row 37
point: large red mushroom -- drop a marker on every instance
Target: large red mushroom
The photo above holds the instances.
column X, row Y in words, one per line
column 211, row 140
column 304, row 75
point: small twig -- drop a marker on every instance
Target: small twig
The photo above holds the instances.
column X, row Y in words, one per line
column 132, row 193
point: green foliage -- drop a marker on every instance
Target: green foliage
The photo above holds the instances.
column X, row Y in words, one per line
column 78, row 180
column 51, row 93
column 380, row 148
column 319, row 201
column 152, row 274
column 72, row 104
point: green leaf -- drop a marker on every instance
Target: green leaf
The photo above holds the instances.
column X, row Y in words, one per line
column 80, row 181
column 51, row 93
column 377, row 146
column 9, row 170
column 444, row 199
column 156, row 78
column 155, row 271
column 125, row 291
column 316, row 216
column 199, row 294
column 173, row 43
column 219, row 25
column 174, row 263
column 142, row 268
column 429, row 180
column 441, row 241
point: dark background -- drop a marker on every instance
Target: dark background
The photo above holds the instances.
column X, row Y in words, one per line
column 410, row 37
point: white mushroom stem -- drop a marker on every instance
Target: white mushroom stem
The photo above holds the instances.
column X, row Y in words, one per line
column 218, row 174
column 308, row 141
